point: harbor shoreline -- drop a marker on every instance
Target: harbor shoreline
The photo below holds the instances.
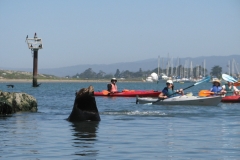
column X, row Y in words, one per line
column 58, row 80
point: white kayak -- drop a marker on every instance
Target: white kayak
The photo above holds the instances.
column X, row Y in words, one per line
column 182, row 100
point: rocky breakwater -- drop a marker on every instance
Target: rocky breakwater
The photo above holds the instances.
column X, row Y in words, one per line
column 11, row 102
column 85, row 107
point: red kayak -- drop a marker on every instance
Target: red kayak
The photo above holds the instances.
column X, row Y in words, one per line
column 129, row 93
column 231, row 99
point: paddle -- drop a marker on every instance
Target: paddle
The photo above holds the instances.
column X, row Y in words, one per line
column 237, row 83
column 228, row 78
column 205, row 93
column 199, row 82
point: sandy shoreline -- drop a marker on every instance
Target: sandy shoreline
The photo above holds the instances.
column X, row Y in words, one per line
column 55, row 80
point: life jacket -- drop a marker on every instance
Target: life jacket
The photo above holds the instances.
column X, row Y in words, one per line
column 229, row 90
column 167, row 92
column 114, row 88
column 216, row 89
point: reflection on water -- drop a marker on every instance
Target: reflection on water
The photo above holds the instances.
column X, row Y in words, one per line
column 85, row 137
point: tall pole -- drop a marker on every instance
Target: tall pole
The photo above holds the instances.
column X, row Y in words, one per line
column 177, row 68
column 167, row 65
column 158, row 65
column 34, row 44
column 232, row 67
column 171, row 67
column 163, row 65
column 191, row 70
column 229, row 67
column 35, row 67
column 204, row 68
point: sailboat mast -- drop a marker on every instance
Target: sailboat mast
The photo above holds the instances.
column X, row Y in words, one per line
column 177, row 67
column 185, row 69
column 167, row 64
column 229, row 67
column 191, row 69
column 197, row 71
column 175, row 74
column 163, row 64
column 204, row 68
column 158, row 65
column 236, row 67
column 171, row 67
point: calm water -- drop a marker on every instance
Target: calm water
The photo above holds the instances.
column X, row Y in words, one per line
column 126, row 130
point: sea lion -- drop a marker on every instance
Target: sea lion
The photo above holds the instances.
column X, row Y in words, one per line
column 84, row 108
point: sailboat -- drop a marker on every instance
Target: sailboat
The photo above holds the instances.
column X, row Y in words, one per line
column 162, row 77
column 152, row 78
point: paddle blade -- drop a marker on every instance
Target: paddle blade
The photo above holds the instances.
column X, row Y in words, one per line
column 203, row 80
column 228, row 78
column 205, row 93
column 237, row 83
column 105, row 92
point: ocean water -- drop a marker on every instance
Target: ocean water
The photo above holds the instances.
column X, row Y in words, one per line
column 126, row 131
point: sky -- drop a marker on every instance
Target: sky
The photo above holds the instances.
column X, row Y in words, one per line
column 112, row 31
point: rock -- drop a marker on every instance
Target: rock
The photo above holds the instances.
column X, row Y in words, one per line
column 11, row 102
column 84, row 108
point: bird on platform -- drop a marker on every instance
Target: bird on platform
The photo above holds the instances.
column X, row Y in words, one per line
column 10, row 85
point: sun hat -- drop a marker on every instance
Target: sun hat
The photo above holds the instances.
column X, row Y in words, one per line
column 216, row 80
column 170, row 81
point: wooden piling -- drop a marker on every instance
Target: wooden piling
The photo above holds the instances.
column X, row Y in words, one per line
column 35, row 68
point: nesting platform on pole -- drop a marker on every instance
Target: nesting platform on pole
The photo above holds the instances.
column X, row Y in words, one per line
column 34, row 44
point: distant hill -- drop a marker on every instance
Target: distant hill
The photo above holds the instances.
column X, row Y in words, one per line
column 10, row 74
column 134, row 66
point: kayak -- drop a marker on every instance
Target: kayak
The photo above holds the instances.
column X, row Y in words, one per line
column 182, row 100
column 231, row 99
column 130, row 93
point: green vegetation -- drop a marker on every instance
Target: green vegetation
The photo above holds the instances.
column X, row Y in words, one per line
column 89, row 74
column 7, row 74
column 216, row 71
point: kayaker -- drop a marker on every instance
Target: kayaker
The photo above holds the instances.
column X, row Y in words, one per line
column 169, row 90
column 216, row 88
column 112, row 87
column 229, row 89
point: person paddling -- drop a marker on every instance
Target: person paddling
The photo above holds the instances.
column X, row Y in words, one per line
column 112, row 87
column 169, row 90
column 229, row 89
column 216, row 88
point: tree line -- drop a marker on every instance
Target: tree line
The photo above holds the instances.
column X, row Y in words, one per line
column 179, row 71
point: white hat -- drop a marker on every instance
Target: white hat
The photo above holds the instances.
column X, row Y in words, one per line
column 170, row 81
column 113, row 79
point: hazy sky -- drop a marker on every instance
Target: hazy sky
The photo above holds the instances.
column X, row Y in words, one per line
column 109, row 31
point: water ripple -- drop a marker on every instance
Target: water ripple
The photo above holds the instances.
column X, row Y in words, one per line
column 126, row 130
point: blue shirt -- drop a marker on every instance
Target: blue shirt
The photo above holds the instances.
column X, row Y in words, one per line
column 216, row 89
column 167, row 92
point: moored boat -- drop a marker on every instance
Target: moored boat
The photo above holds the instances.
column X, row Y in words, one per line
column 182, row 100
column 129, row 93
column 231, row 99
